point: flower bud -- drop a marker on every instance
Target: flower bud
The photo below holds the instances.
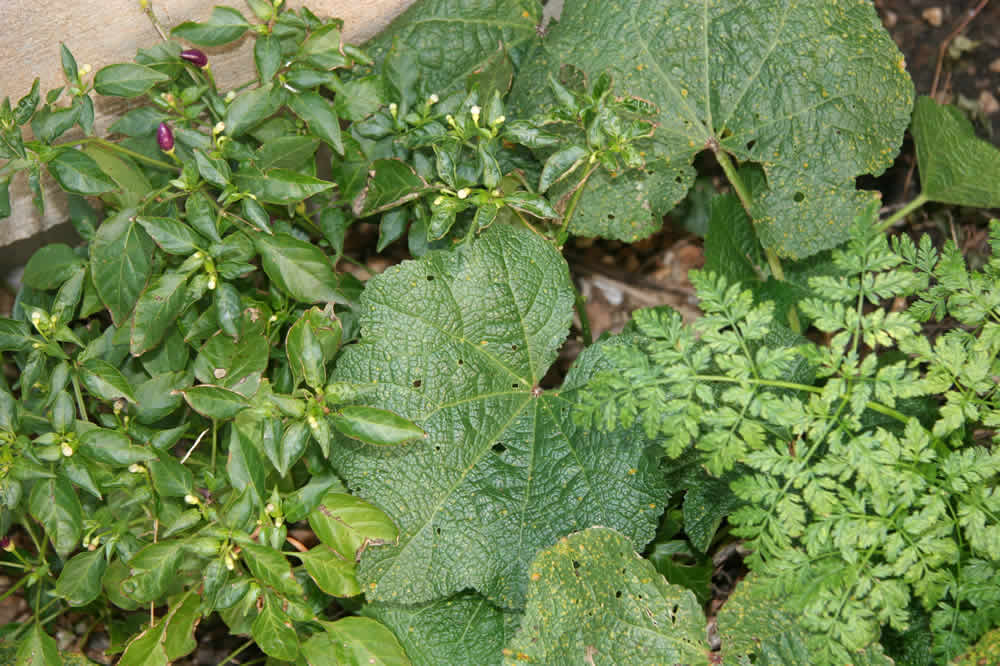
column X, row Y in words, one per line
column 433, row 99
column 219, row 128
column 475, row 111
column 190, row 499
column 462, row 193
column 230, row 96
column 165, row 137
column 195, row 57
column 394, row 109
column 136, row 468
column 66, row 449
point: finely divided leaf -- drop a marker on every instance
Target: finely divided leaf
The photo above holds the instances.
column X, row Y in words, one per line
column 815, row 92
column 503, row 471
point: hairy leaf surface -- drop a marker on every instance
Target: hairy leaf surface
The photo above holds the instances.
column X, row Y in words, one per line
column 458, row 342
column 815, row 92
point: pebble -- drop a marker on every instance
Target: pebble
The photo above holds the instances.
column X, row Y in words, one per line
column 934, row 16
column 995, row 65
column 889, row 19
column 988, row 103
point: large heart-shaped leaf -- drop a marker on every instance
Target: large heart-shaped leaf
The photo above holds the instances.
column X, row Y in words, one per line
column 503, row 471
column 815, row 92
column 431, row 30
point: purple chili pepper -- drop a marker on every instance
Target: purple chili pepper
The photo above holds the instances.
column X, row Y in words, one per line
column 165, row 137
column 195, row 57
column 5, row 544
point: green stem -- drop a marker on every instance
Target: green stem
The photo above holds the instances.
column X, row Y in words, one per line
column 525, row 222
column 215, row 429
column 79, row 399
column 903, row 212
column 111, row 145
column 235, row 653
column 581, row 310
column 576, row 198
column 14, row 588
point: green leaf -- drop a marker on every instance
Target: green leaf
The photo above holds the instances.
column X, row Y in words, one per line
column 730, row 244
column 51, row 265
column 157, row 308
column 215, row 402
column 80, row 580
column 170, row 477
column 533, row 204
column 319, row 115
column 323, row 48
column 53, row 503
column 267, row 56
column 956, row 166
column 707, row 501
column 391, row 183
column 231, row 364
column 153, row 570
column 127, row 80
column 461, row 629
column 286, row 152
column 282, row 186
column 113, row 447
column 38, row 649
column 213, row 169
column 223, row 26
column 14, row 335
column 4, row 198
column 333, row 573
column 78, row 172
column 348, row 525
column 608, row 602
column 560, row 164
column 483, row 323
column 245, row 466
column 273, row 632
column 272, row 569
column 172, row 235
column 300, row 269
column 428, row 32
column 120, row 263
column 250, row 108
column 754, row 79
column 105, row 380
column 375, row 426
column 305, row 351
column 356, row 641
column 169, row 639
column 127, row 176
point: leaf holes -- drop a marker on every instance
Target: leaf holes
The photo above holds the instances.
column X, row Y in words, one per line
column 611, row 216
column 417, row 383
column 618, row 594
column 515, row 385
column 678, row 180
column 513, row 347
column 461, row 362
column 576, row 565
column 430, row 278
column 437, row 448
column 750, row 144
column 798, row 197
column 499, row 448
column 437, row 530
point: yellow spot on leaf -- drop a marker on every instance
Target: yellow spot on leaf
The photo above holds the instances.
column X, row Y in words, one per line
column 684, row 92
column 536, row 576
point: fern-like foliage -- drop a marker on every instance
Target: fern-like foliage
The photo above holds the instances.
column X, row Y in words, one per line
column 872, row 483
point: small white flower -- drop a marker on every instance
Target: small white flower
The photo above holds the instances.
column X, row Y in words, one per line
column 36, row 317
column 211, row 283
column 66, row 449
column 86, row 69
column 230, row 562
column 433, row 99
column 475, row 111
column 136, row 468
column 273, row 318
column 220, row 126
column 190, row 499
column 462, row 193
column 438, row 201
column 230, row 96
column 313, row 423
column 393, row 109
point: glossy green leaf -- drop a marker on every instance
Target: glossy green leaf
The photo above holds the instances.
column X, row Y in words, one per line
column 267, row 56
column 51, row 265
column 213, row 169
column 37, row 648
column 169, row 639
column 282, row 186
column 461, row 629
column 215, row 402
column 305, row 353
column 128, row 177
column 79, row 582
column 113, row 447
column 390, row 183
column 286, row 152
column 14, row 335
column 223, row 26
column 273, row 632
column 319, row 115
column 560, row 164
column 272, row 569
column 300, row 269
column 120, row 263
column 333, row 573
column 348, row 524
column 290, row 448
column 127, row 79
column 237, row 365
column 153, row 570
column 78, row 172
column 375, row 426
column 356, row 641
column 170, row 477
column 956, row 166
column 155, row 312
column 53, row 503
column 245, row 467
column 251, row 108
column 757, row 81
column 483, row 323
column 201, row 216
column 591, row 594
column 105, row 380
column 532, row 204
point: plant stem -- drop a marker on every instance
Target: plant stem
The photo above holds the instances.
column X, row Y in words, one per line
column 215, row 429
column 722, row 157
column 13, row 588
column 581, row 310
column 79, row 399
column 235, row 653
column 111, row 145
column 576, row 198
column 903, row 212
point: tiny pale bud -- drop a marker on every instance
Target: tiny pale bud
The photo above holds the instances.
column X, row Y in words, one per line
column 211, row 283
column 7, row 544
column 219, row 128
column 230, row 96
column 66, row 449
column 313, row 423
column 433, row 99
column 36, row 317
column 438, row 201
column 269, row 508
column 500, row 120
column 393, row 109
column 86, row 69
column 230, row 562
column 136, row 468
column 463, row 193
column 190, row 499
column 273, row 318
